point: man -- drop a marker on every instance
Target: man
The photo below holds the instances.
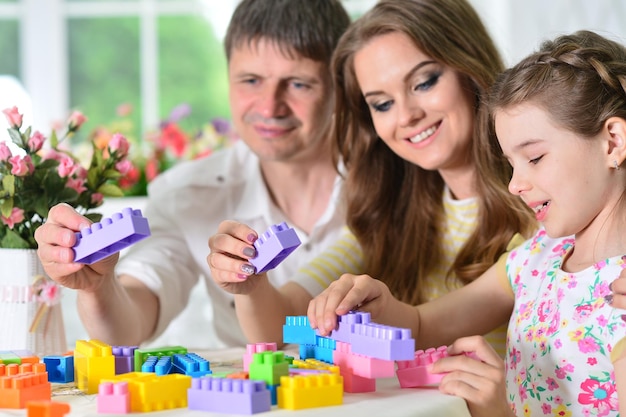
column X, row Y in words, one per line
column 281, row 103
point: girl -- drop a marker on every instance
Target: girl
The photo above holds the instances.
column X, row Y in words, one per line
column 560, row 118
column 428, row 210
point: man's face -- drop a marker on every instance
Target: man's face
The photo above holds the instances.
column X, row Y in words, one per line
column 281, row 106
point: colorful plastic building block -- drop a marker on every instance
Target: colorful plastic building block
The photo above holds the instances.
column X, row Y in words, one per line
column 149, row 392
column 253, row 348
column 124, row 358
column 190, row 364
column 15, row 369
column 232, row 396
column 361, row 365
column 7, row 357
column 59, row 368
column 113, row 398
column 273, row 246
column 415, row 373
column 346, row 323
column 17, row 390
column 47, row 409
column 382, row 342
column 158, row 365
column 142, row 354
column 93, row 361
column 299, row 392
column 297, row 329
column 110, row 235
column 269, row 367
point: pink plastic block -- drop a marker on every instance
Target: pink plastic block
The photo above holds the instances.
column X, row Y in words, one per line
column 113, row 398
column 253, row 348
column 360, row 365
column 356, row 384
column 273, row 246
column 110, row 235
column 415, row 373
column 232, row 396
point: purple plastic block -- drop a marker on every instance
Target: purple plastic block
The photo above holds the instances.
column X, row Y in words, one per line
column 110, row 235
column 273, row 246
column 345, row 325
column 225, row 395
column 124, row 359
column 382, row 342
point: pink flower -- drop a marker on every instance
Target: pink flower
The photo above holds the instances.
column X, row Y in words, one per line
column 5, row 151
column 76, row 120
column 16, row 217
column 118, row 144
column 124, row 166
column 54, row 155
column 588, row 345
column 76, row 184
column 36, row 141
column 21, row 166
column 14, row 117
column 66, row 167
column 79, row 172
column 96, row 199
column 124, row 109
column 602, row 396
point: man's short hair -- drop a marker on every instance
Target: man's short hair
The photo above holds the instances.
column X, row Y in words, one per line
column 306, row 28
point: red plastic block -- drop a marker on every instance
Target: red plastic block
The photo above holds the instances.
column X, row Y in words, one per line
column 113, row 398
column 47, row 409
column 273, row 246
column 110, row 235
column 17, row 390
column 232, row 396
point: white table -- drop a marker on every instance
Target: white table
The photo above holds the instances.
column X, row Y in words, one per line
column 389, row 400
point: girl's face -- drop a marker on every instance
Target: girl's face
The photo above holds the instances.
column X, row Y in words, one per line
column 565, row 179
column 423, row 110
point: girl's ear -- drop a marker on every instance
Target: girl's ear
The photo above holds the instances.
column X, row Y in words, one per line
column 616, row 129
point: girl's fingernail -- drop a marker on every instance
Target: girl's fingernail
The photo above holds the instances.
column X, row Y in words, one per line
column 251, row 238
column 608, row 298
column 623, row 317
column 249, row 252
column 611, row 286
column 242, row 276
column 247, row 269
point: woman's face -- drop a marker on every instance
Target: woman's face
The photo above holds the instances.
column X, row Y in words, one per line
column 423, row 110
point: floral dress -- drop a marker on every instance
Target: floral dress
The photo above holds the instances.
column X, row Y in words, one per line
column 561, row 333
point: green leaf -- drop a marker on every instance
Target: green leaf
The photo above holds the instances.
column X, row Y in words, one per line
column 16, row 137
column 13, row 241
column 8, row 184
column 54, row 140
column 6, row 207
column 111, row 174
column 110, row 190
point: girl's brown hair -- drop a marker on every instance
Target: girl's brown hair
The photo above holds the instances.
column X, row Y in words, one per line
column 395, row 208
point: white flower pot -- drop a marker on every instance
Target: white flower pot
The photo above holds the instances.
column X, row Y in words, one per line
column 25, row 322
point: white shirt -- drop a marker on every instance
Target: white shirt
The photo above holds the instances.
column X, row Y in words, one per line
column 185, row 206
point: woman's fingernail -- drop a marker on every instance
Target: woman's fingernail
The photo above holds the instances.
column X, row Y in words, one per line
column 623, row 317
column 249, row 252
column 608, row 298
column 247, row 269
column 251, row 238
column 242, row 276
column 611, row 286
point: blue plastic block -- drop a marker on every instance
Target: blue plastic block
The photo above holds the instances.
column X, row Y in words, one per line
column 110, row 235
column 273, row 389
column 273, row 246
column 324, row 348
column 191, row 364
column 142, row 354
column 307, row 351
column 297, row 329
column 59, row 368
column 158, row 365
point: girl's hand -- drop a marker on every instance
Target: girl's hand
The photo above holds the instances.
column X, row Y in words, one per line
column 349, row 292
column 477, row 374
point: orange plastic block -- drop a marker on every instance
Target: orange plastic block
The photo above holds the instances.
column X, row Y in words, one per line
column 15, row 369
column 93, row 361
column 238, row 375
column 47, row 409
column 17, row 390
column 310, row 391
column 151, row 392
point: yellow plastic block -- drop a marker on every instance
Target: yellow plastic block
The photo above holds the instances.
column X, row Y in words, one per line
column 315, row 364
column 17, row 390
column 310, row 391
column 93, row 361
column 151, row 392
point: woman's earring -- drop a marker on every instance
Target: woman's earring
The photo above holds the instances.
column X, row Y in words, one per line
column 615, row 165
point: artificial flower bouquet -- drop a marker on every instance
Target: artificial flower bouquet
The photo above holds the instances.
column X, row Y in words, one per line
column 37, row 173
